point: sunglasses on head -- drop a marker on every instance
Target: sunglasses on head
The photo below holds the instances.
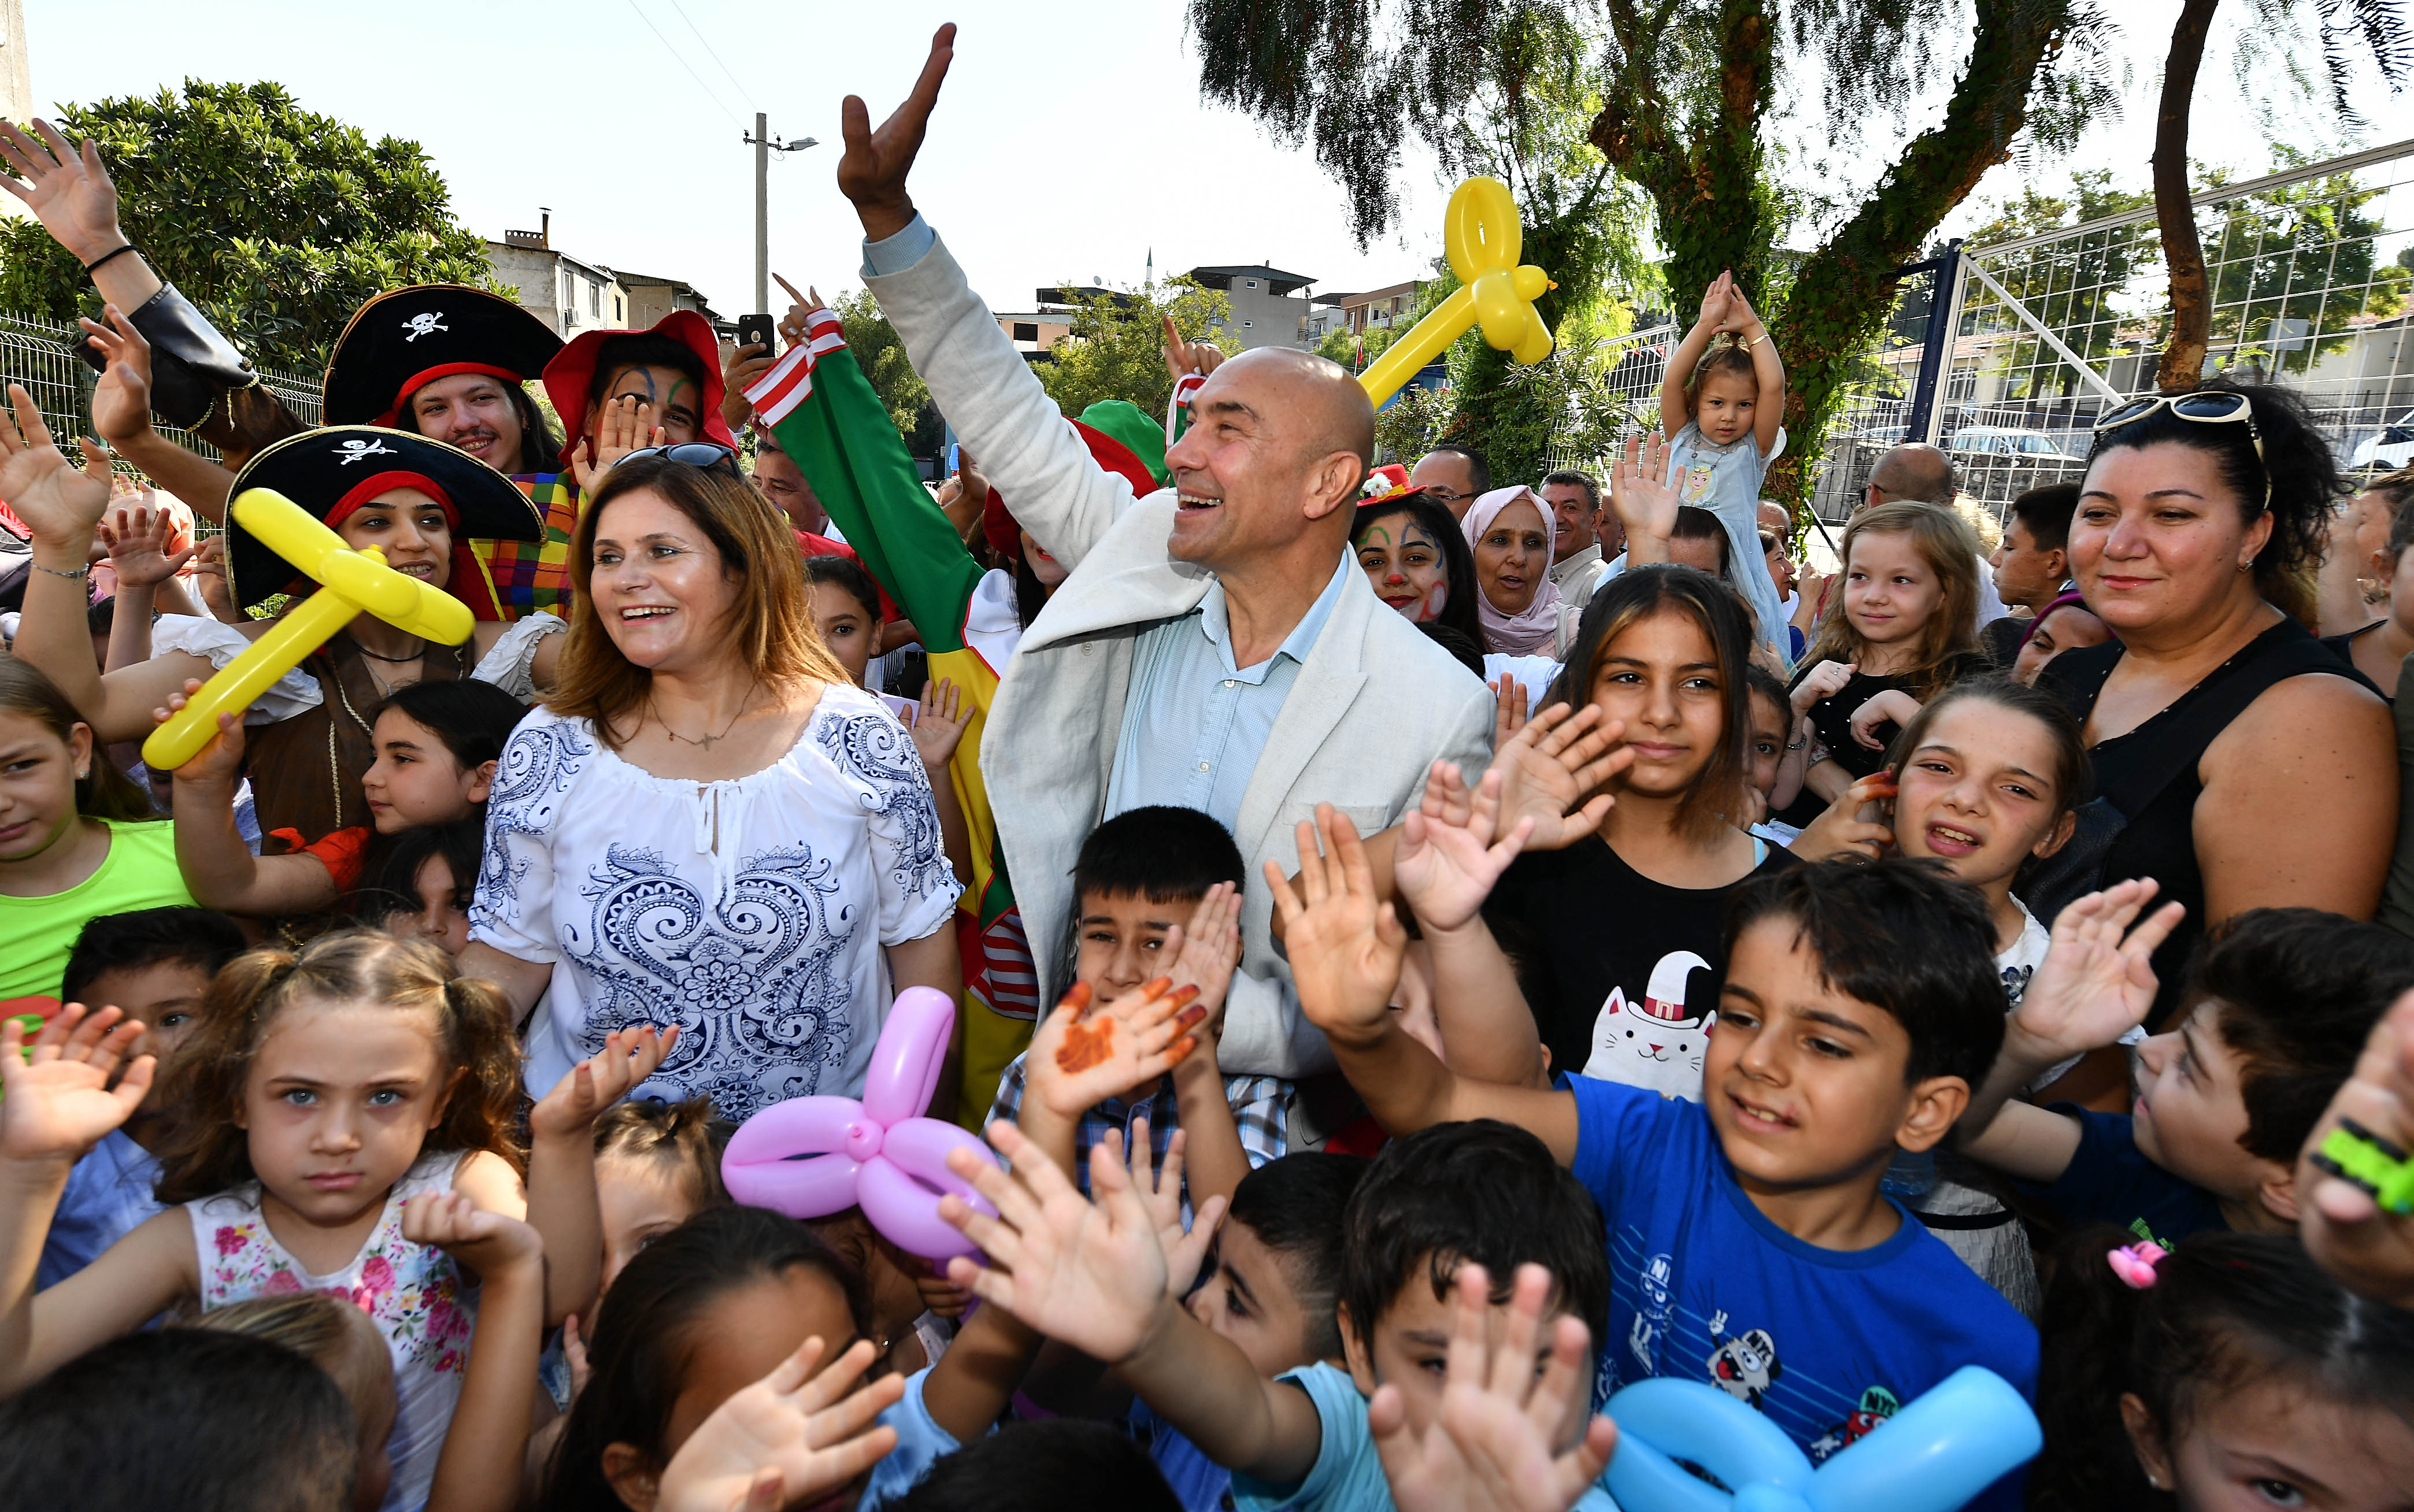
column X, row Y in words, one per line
column 709, row 455
column 2215, row 409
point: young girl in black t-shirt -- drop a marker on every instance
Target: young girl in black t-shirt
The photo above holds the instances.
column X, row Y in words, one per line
column 1619, row 934
column 1910, row 593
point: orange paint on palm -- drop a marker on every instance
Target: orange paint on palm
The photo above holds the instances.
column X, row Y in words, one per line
column 1086, row 1046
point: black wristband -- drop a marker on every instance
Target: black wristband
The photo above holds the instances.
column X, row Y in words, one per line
column 94, row 267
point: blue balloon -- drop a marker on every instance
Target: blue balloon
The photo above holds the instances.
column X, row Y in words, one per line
column 1934, row 1455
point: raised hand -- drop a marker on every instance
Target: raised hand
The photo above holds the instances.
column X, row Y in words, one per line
column 61, row 504
column 1080, row 1055
column 1207, row 950
column 1843, row 831
column 210, row 581
column 939, row 721
column 792, row 324
column 1446, row 869
column 745, row 365
column 873, row 171
column 67, row 190
column 221, row 760
column 1345, row 947
column 121, row 402
column 1186, row 357
column 56, row 1101
column 1643, row 494
column 2097, row 979
column 143, row 545
column 2369, row 1247
column 1495, row 1444
column 488, row 1243
column 1825, row 680
column 1714, row 303
column 622, row 426
column 1090, row 1273
column 1160, row 1188
column 1740, row 317
column 1509, row 710
column 577, row 1100
column 1552, row 772
column 791, row 1438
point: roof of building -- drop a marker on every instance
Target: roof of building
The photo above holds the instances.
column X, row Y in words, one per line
column 1369, row 296
column 1277, row 281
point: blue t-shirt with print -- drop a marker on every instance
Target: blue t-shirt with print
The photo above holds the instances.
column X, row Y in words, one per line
column 2110, row 1180
column 921, row 1443
column 1827, row 1344
column 1347, row 1475
column 1725, row 480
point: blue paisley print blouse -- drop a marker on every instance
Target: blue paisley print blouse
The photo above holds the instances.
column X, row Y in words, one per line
column 748, row 912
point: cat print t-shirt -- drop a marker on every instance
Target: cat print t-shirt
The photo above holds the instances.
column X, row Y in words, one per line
column 1623, row 973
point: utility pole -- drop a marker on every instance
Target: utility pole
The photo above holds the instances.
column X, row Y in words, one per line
column 762, row 214
column 764, row 147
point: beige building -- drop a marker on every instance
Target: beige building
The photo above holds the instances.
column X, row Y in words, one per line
column 1377, row 309
column 571, row 294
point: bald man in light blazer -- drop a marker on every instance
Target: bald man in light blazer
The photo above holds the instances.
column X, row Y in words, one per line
column 1215, row 644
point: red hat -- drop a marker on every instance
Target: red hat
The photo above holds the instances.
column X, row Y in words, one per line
column 1006, row 535
column 572, row 374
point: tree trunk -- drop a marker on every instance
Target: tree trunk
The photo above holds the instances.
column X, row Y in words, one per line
column 2182, row 365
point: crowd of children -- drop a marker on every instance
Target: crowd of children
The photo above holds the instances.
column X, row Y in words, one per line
column 1777, row 1009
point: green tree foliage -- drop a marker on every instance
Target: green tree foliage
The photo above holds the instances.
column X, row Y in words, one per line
column 276, row 221
column 1116, row 350
column 1685, row 90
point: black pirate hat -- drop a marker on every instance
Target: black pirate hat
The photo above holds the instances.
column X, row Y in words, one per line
column 407, row 337
column 336, row 469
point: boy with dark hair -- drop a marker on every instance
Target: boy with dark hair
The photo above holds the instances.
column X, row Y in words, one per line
column 2282, row 1002
column 1157, row 893
column 1435, row 1208
column 2031, row 563
column 157, row 965
column 1750, row 1245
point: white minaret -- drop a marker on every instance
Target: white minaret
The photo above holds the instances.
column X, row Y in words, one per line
column 16, row 79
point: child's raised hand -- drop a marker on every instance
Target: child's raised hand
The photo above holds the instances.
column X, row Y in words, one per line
column 1345, row 947
column 788, row 1439
column 1084, row 1055
column 221, row 759
column 1841, row 830
column 486, row 1242
column 1548, row 769
column 1740, row 317
column 1510, row 708
column 1185, row 1251
column 1887, row 704
column 2097, row 979
column 1642, row 489
column 56, row 1101
column 1090, row 1274
column 142, row 546
column 1825, row 680
column 577, row 1100
column 1207, row 950
column 1446, row 871
column 1494, row 1446
column 1714, row 303
column 939, row 723
column 2367, row 1246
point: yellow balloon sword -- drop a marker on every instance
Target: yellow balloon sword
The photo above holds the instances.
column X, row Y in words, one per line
column 1483, row 238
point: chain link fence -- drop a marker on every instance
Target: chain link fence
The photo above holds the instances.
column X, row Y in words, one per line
column 40, row 354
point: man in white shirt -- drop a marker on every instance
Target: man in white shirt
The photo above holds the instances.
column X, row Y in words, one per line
column 1575, row 502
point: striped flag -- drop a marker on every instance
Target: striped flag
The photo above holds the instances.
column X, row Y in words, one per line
column 827, row 417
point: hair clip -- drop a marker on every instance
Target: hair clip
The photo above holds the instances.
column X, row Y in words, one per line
column 2135, row 1262
column 2354, row 1153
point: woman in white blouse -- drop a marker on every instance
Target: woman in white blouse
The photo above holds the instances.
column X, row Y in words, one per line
column 706, row 825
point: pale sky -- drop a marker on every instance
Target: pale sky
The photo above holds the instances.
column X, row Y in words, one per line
column 1069, row 142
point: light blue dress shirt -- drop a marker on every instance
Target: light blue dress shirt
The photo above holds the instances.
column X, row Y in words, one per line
column 1195, row 724
column 897, row 253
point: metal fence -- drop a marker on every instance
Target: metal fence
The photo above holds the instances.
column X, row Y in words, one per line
column 40, row 355
column 2040, row 336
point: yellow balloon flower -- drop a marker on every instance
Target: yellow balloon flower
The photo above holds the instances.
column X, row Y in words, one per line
column 351, row 582
column 1482, row 237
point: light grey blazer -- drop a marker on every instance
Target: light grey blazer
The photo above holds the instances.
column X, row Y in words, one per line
column 1376, row 703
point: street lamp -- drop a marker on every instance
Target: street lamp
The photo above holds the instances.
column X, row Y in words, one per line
column 764, row 145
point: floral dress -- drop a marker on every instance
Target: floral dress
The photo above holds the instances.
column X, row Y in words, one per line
column 749, row 912
column 413, row 1292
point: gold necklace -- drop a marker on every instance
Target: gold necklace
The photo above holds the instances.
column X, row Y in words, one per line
column 703, row 741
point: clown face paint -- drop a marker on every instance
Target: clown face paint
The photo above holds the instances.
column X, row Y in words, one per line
column 1405, row 566
column 678, row 404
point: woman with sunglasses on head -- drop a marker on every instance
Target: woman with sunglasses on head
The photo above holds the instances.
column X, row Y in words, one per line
column 2254, row 767
column 708, row 824
column 416, row 500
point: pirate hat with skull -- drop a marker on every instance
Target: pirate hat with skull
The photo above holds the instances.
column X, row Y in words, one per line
column 336, row 469
column 404, row 338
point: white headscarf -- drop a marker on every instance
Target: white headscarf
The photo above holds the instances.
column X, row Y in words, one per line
column 1532, row 628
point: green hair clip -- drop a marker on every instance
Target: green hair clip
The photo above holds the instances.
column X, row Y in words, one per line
column 2354, row 1153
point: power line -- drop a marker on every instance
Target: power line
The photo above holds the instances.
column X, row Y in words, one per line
column 709, row 90
column 709, row 53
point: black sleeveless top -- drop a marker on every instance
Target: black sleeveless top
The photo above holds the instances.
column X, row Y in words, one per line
column 2159, row 840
